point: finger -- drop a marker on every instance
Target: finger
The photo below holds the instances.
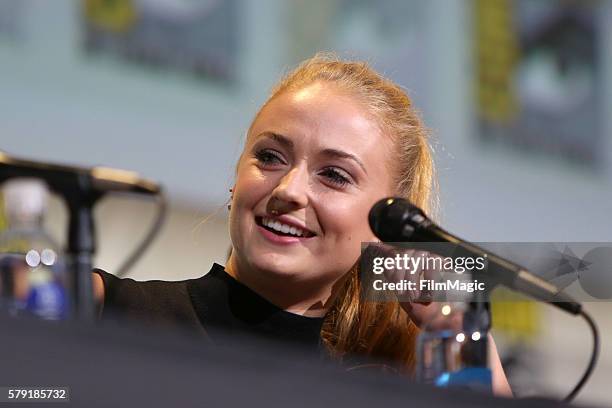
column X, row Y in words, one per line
column 432, row 273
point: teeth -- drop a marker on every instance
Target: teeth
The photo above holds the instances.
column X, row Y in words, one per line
column 287, row 229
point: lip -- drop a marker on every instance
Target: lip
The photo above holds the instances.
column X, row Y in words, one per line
column 280, row 239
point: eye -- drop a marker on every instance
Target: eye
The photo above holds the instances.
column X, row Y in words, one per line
column 336, row 177
column 267, row 156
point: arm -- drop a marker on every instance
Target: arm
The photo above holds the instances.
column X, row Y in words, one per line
column 420, row 312
column 501, row 387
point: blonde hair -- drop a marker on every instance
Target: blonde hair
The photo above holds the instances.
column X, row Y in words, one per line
column 381, row 331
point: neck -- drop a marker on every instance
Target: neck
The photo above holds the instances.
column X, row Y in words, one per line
column 294, row 297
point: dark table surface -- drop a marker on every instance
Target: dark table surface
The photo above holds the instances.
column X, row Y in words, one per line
column 112, row 366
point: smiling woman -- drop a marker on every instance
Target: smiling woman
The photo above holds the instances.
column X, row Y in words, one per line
column 333, row 138
column 314, row 159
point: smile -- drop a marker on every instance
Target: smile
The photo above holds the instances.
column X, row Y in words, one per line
column 282, row 229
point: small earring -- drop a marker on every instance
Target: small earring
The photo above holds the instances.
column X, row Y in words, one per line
column 229, row 206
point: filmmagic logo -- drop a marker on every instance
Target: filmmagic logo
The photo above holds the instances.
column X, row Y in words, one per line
column 419, row 271
column 423, row 265
column 430, row 285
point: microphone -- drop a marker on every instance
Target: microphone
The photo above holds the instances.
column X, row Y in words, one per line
column 397, row 220
column 81, row 188
column 64, row 179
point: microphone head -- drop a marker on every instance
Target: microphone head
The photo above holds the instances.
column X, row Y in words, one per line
column 392, row 219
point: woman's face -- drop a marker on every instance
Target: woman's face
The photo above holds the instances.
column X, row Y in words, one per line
column 314, row 164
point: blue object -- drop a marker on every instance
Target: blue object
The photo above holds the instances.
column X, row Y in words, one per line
column 48, row 301
column 474, row 378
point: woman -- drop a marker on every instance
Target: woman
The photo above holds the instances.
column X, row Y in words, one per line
column 333, row 138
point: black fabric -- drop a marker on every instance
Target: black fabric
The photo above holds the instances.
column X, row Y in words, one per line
column 212, row 305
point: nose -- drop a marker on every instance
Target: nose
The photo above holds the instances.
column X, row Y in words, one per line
column 291, row 192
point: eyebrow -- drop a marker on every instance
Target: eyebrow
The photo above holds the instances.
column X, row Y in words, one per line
column 287, row 143
column 283, row 140
column 344, row 155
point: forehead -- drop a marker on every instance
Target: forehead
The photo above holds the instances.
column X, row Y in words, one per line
column 322, row 115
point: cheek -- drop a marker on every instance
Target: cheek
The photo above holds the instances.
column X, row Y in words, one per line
column 346, row 222
column 246, row 193
column 251, row 191
column 251, row 186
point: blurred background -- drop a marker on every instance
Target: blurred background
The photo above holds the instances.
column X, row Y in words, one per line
column 518, row 96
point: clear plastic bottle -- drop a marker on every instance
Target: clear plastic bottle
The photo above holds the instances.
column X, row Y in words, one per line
column 452, row 348
column 33, row 280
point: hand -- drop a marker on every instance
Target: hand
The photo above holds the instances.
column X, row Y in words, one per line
column 417, row 303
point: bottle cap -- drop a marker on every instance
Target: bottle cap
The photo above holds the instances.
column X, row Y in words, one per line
column 25, row 198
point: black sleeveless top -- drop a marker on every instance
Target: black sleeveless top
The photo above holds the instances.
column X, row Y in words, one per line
column 211, row 305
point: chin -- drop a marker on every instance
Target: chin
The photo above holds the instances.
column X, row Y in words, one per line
column 282, row 265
